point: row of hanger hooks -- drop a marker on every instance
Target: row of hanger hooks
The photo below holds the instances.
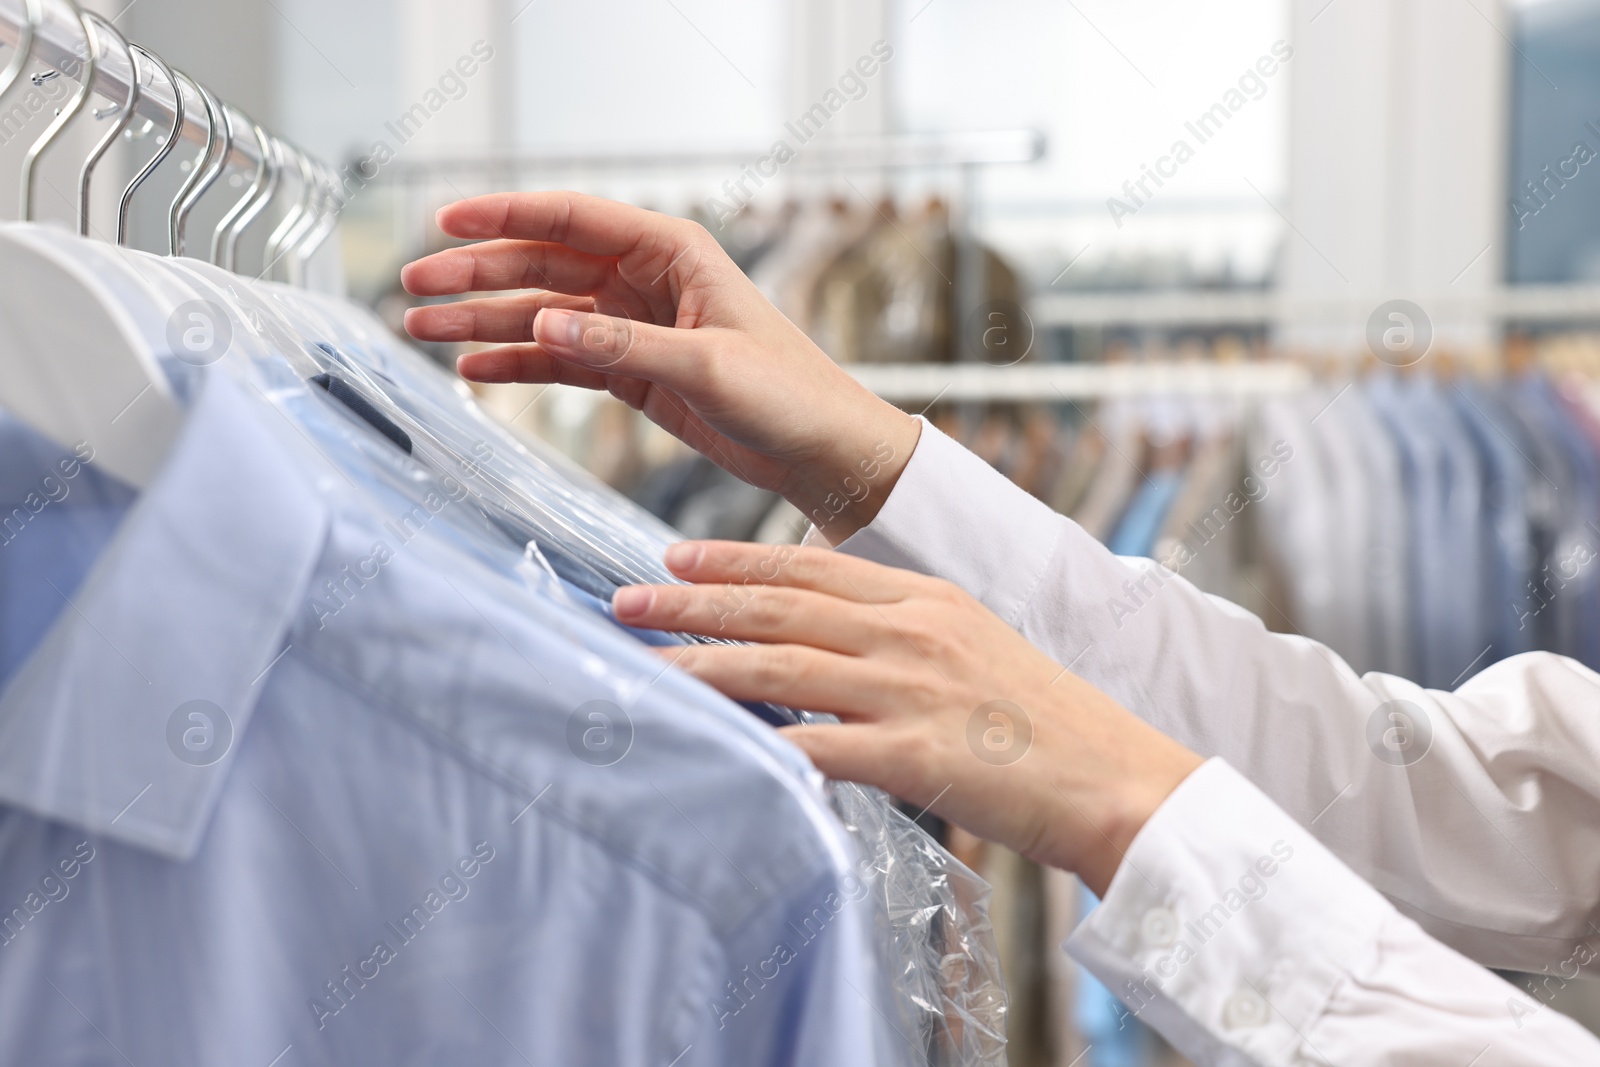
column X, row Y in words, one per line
column 305, row 226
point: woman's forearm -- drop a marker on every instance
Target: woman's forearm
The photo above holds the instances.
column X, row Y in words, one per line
column 1491, row 839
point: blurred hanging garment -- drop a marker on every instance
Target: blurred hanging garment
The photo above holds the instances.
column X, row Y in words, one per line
column 1198, row 537
column 876, row 285
column 1296, row 519
column 788, row 274
column 1506, row 527
column 886, row 299
column 1418, row 526
column 1117, row 478
column 1375, row 524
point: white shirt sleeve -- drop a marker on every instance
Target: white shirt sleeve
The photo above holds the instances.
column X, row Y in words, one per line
column 1476, row 813
column 1235, row 933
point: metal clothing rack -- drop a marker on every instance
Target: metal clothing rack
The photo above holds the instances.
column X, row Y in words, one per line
column 965, row 152
column 890, row 151
column 925, row 383
column 60, row 44
column 86, row 49
column 911, row 383
column 1530, row 303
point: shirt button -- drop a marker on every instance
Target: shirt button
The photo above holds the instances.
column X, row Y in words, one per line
column 1245, row 1008
column 1159, row 928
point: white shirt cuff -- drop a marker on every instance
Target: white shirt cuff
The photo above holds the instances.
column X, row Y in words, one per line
column 1228, row 925
column 1237, row 935
column 940, row 520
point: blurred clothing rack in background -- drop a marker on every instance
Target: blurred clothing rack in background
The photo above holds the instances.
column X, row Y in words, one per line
column 919, row 383
column 975, row 148
column 424, row 184
column 1260, row 307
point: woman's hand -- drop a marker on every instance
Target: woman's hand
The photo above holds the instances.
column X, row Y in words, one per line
column 942, row 704
column 650, row 308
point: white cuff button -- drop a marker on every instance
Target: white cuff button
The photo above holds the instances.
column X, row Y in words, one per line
column 1159, row 928
column 1245, row 1008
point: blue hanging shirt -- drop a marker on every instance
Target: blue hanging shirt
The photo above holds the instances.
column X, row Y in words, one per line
column 287, row 778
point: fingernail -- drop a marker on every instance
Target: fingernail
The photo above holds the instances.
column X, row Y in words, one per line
column 557, row 326
column 684, row 555
column 632, row 600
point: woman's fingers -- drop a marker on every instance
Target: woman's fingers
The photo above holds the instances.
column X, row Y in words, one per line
column 495, row 320
column 833, row 573
column 678, row 359
column 592, row 343
column 495, row 265
column 585, row 223
column 799, row 677
column 874, row 755
column 741, row 612
column 526, row 363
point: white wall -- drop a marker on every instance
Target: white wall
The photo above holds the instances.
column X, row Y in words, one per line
column 1398, row 161
column 647, row 75
column 1111, row 84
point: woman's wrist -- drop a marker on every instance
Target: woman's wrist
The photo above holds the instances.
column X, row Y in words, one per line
column 1119, row 809
column 844, row 492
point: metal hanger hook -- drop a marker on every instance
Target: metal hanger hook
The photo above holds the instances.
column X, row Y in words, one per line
column 327, row 220
column 222, row 238
column 279, row 243
column 30, row 163
column 274, row 162
column 163, row 152
column 200, row 176
column 19, row 59
column 111, row 135
column 294, row 244
column 214, row 169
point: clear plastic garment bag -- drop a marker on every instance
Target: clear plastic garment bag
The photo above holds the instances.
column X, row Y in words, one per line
column 934, row 937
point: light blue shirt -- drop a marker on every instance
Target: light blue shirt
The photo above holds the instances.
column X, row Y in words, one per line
column 1507, row 536
column 1564, row 593
column 1446, row 562
column 289, row 779
column 1141, row 523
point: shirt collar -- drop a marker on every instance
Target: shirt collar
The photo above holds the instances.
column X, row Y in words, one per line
column 190, row 602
